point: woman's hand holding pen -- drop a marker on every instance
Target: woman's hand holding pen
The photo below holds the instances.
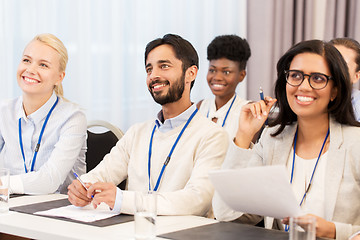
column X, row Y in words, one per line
column 102, row 192
column 77, row 194
column 252, row 118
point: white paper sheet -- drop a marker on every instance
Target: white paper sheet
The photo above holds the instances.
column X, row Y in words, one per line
column 83, row 214
column 262, row 190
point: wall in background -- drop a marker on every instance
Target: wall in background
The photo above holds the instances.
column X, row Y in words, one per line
column 275, row 25
column 106, row 41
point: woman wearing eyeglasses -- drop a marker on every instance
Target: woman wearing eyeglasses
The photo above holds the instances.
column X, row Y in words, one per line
column 314, row 134
column 42, row 135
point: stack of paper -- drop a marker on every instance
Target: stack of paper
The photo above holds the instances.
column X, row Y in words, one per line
column 84, row 214
column 264, row 190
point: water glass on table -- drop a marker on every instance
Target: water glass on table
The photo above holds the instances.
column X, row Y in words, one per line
column 145, row 215
column 302, row 228
column 4, row 190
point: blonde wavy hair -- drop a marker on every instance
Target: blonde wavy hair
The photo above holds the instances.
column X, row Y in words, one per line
column 55, row 43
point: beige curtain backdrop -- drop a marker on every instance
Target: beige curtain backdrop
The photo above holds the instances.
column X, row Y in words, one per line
column 275, row 25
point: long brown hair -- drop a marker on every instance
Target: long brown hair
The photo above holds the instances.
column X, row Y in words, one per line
column 340, row 108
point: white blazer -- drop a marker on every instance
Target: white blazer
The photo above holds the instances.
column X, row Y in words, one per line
column 342, row 177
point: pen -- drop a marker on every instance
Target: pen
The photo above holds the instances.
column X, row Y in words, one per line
column 262, row 98
column 82, row 183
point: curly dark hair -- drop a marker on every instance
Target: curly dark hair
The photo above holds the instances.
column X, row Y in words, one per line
column 231, row 47
column 340, row 108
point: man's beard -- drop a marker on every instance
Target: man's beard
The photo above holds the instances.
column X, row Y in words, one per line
column 174, row 93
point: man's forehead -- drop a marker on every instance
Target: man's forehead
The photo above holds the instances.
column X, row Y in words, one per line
column 161, row 53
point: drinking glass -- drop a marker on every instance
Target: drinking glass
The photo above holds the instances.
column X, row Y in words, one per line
column 302, row 228
column 145, row 215
column 4, row 190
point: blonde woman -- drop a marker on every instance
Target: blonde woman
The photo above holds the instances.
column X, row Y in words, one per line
column 42, row 135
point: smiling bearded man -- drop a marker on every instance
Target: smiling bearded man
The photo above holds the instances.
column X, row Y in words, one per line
column 175, row 92
column 172, row 154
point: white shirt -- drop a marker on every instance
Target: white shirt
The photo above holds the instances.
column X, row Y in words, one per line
column 208, row 109
column 185, row 188
column 163, row 126
column 62, row 148
column 314, row 201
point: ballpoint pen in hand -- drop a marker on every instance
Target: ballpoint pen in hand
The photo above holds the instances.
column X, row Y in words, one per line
column 82, row 183
column 263, row 98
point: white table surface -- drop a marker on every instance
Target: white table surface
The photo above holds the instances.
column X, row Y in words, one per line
column 38, row 227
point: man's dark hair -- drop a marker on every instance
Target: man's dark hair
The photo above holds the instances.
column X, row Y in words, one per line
column 183, row 49
column 231, row 47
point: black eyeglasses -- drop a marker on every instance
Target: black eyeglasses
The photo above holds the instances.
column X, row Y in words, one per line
column 316, row 80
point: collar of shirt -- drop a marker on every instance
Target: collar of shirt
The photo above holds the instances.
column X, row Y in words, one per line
column 171, row 123
column 39, row 114
column 355, row 94
column 220, row 113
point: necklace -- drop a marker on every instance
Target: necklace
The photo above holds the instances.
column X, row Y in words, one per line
column 227, row 113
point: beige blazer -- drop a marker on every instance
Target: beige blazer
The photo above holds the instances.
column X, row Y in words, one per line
column 342, row 177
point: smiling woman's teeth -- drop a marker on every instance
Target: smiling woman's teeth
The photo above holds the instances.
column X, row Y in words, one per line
column 218, row 86
column 304, row 99
column 29, row 80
